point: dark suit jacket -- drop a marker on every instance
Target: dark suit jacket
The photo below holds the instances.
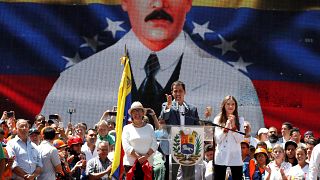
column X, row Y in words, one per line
column 173, row 116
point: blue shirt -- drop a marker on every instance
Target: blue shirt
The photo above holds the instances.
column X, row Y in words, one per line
column 27, row 156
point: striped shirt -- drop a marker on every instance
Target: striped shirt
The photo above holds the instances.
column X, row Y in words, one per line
column 95, row 165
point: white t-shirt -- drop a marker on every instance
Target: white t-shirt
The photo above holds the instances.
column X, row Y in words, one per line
column 296, row 172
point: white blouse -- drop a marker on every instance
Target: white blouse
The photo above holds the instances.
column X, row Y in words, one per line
column 275, row 172
column 228, row 149
column 138, row 139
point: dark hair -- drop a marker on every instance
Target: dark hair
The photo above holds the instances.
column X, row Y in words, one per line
column 312, row 141
column 91, row 129
column 39, row 116
column 245, row 143
column 261, row 143
column 85, row 125
column 274, row 128
column 178, row 83
column 303, row 149
column 208, row 147
column 289, row 125
column 295, row 129
column 49, row 133
column 286, row 159
column 266, row 155
column 223, row 113
column 1, row 131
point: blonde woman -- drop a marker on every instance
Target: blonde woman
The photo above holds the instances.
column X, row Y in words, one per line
column 277, row 169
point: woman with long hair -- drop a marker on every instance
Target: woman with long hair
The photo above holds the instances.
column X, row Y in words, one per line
column 278, row 168
column 301, row 170
column 228, row 149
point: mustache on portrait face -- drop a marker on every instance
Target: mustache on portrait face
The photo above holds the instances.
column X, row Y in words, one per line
column 159, row 14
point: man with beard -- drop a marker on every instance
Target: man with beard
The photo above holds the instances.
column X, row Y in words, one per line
column 160, row 53
column 273, row 138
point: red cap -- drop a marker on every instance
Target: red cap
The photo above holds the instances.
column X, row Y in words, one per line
column 74, row 140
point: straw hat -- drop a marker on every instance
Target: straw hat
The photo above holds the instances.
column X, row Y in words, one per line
column 136, row 105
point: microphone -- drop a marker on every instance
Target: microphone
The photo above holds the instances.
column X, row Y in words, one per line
column 217, row 125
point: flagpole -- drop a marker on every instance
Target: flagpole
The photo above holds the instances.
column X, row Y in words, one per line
column 123, row 104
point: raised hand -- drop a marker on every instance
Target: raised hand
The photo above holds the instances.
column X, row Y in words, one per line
column 268, row 169
column 232, row 120
column 169, row 101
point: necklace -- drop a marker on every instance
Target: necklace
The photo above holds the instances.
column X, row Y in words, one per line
column 138, row 125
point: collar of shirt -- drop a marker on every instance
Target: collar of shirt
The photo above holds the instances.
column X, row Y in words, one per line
column 138, row 54
column 17, row 138
column 182, row 111
column 45, row 142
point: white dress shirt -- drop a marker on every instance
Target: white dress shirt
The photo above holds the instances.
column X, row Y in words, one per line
column 89, row 154
column 182, row 111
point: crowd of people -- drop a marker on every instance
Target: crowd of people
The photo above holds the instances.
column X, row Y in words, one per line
column 43, row 149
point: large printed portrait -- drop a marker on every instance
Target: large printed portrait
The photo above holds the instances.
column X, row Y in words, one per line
column 57, row 56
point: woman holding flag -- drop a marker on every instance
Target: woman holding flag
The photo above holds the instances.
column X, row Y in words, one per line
column 139, row 144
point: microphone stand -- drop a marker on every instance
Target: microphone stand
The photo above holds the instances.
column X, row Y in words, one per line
column 217, row 125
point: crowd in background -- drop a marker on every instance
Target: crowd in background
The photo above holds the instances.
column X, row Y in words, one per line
column 42, row 148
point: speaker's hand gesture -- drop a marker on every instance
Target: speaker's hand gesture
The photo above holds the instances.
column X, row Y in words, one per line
column 169, row 101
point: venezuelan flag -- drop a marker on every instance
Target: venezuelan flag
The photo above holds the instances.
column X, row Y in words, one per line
column 275, row 43
column 123, row 105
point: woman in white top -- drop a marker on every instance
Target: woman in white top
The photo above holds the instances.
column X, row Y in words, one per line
column 228, row 149
column 301, row 170
column 277, row 169
column 138, row 141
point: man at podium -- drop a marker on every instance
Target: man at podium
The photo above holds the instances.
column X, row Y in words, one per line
column 178, row 112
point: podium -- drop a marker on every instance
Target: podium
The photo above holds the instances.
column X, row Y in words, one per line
column 184, row 147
